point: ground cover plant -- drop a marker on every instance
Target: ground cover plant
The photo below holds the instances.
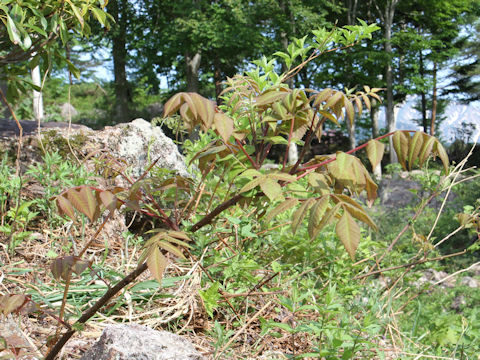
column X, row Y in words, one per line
column 273, row 256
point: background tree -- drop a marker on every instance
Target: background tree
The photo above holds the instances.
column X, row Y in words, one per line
column 430, row 27
column 122, row 12
column 466, row 66
column 29, row 35
column 197, row 43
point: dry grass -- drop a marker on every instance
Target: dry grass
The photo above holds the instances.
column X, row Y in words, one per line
column 175, row 306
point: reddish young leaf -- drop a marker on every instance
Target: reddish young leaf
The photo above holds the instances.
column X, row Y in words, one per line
column 204, row 108
column 253, row 184
column 188, row 117
column 349, row 110
column 65, row 207
column 173, row 104
column 342, row 167
column 359, row 214
column 322, row 96
column 319, row 182
column 333, row 100
column 170, row 248
column 224, row 125
column 426, row 151
column 271, row 189
column 371, row 189
column 63, row 265
column 327, row 218
column 108, row 200
column 329, row 116
column 83, row 201
column 366, row 100
column 359, row 105
column 270, row 97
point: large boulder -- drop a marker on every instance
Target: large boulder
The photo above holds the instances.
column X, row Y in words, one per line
column 396, row 193
column 138, row 143
column 136, row 342
column 404, row 189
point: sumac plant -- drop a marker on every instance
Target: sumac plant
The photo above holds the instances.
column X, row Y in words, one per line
column 258, row 110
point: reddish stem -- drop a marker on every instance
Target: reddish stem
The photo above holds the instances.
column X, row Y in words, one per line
column 316, row 166
column 246, row 154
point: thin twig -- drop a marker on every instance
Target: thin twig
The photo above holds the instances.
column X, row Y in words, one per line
column 109, row 294
column 418, row 262
column 239, row 332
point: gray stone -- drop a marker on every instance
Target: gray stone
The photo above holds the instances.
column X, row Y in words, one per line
column 396, row 193
column 136, row 342
column 470, row 282
column 139, row 143
column 432, row 276
column 476, row 269
column 68, row 111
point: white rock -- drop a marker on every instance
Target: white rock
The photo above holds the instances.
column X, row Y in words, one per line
column 136, row 342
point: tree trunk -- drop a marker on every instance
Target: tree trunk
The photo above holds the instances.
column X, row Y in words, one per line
column 217, row 78
column 37, row 95
column 118, row 9
column 434, row 100
column 293, row 148
column 3, row 107
column 351, row 17
column 193, row 65
column 351, row 134
column 351, row 11
column 423, row 97
column 390, row 115
column 374, row 110
column 374, row 118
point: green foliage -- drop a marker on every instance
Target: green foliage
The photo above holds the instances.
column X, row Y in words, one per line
column 30, row 30
column 210, row 298
column 55, row 173
column 15, row 213
column 450, row 333
column 231, row 215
